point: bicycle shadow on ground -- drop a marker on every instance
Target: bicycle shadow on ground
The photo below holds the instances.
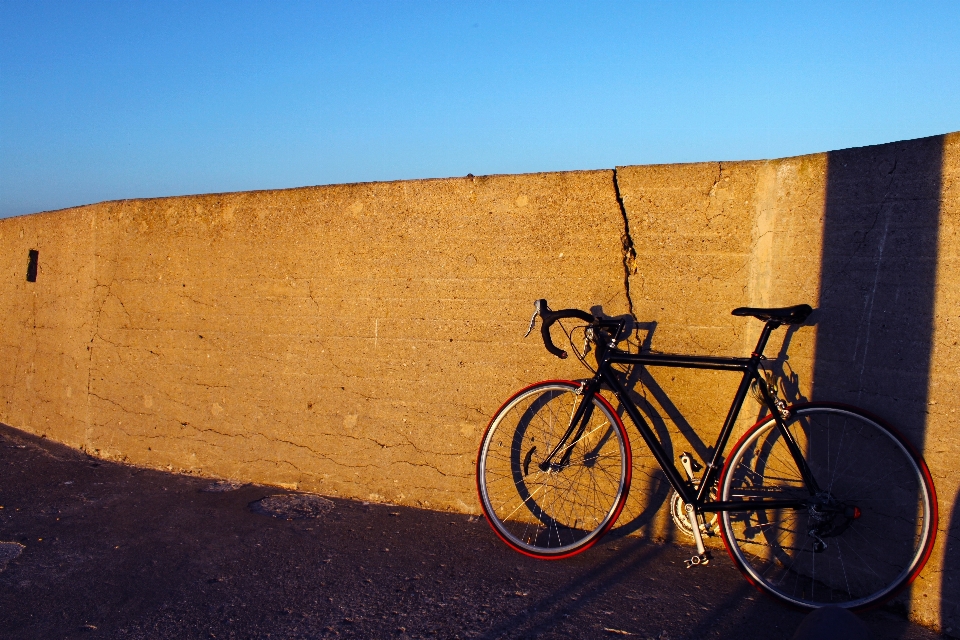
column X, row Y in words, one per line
column 577, row 594
column 644, row 579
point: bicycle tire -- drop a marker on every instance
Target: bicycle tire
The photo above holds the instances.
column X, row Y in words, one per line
column 556, row 513
column 870, row 530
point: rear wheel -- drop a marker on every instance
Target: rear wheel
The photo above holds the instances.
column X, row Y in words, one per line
column 563, row 509
column 862, row 538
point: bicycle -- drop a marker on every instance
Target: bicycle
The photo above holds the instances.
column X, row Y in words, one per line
column 819, row 503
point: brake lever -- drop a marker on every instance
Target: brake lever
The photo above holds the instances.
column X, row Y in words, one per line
column 533, row 321
column 533, row 318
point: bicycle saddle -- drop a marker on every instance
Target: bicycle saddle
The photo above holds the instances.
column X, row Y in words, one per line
column 785, row 315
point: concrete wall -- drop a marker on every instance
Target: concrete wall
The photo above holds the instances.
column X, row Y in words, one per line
column 351, row 340
column 354, row 340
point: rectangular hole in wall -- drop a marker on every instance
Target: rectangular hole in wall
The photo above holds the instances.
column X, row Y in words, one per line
column 32, row 265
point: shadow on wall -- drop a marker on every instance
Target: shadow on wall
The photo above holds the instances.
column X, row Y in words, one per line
column 950, row 585
column 878, row 281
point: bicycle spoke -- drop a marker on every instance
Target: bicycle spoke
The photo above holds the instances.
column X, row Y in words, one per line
column 828, row 555
column 568, row 506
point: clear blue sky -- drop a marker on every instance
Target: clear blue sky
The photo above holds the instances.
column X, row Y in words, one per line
column 106, row 100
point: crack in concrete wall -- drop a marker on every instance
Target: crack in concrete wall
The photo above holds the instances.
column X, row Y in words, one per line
column 626, row 245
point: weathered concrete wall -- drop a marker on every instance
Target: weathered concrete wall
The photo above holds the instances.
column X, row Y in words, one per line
column 351, row 340
column 707, row 238
column 355, row 339
column 870, row 237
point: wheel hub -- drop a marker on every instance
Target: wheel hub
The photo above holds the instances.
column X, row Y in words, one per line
column 829, row 518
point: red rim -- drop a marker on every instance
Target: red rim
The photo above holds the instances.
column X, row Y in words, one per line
column 628, row 454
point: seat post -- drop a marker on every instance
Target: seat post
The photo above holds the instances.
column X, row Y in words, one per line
column 768, row 328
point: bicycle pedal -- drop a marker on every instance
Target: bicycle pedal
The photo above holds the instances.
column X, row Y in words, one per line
column 697, row 560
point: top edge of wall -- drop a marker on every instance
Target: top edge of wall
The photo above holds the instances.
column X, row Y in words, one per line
column 313, row 186
column 802, row 155
column 466, row 177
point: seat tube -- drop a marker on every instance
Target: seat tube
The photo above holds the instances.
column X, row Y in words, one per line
column 749, row 375
column 713, row 466
column 788, row 438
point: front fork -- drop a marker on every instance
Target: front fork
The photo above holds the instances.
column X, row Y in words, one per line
column 578, row 423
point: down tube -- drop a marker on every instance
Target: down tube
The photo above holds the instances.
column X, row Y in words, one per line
column 653, row 444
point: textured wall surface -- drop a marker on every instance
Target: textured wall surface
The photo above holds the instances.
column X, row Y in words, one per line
column 351, row 340
column 867, row 236
column 354, row 340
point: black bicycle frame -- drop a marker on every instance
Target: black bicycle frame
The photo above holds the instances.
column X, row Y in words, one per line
column 608, row 355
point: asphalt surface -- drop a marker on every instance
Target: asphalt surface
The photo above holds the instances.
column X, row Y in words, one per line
column 115, row 551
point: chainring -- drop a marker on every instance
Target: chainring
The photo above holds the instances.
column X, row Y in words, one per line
column 679, row 514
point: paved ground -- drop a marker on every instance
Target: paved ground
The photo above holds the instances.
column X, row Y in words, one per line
column 112, row 551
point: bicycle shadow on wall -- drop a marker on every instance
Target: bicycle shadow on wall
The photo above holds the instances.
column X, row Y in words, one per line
column 650, row 489
column 781, row 373
column 874, row 339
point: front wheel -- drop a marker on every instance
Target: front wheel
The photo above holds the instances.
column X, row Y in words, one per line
column 559, row 509
column 861, row 538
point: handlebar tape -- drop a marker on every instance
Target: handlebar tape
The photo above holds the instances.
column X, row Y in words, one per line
column 549, row 317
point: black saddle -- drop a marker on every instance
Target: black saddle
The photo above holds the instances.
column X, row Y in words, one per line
column 784, row 315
